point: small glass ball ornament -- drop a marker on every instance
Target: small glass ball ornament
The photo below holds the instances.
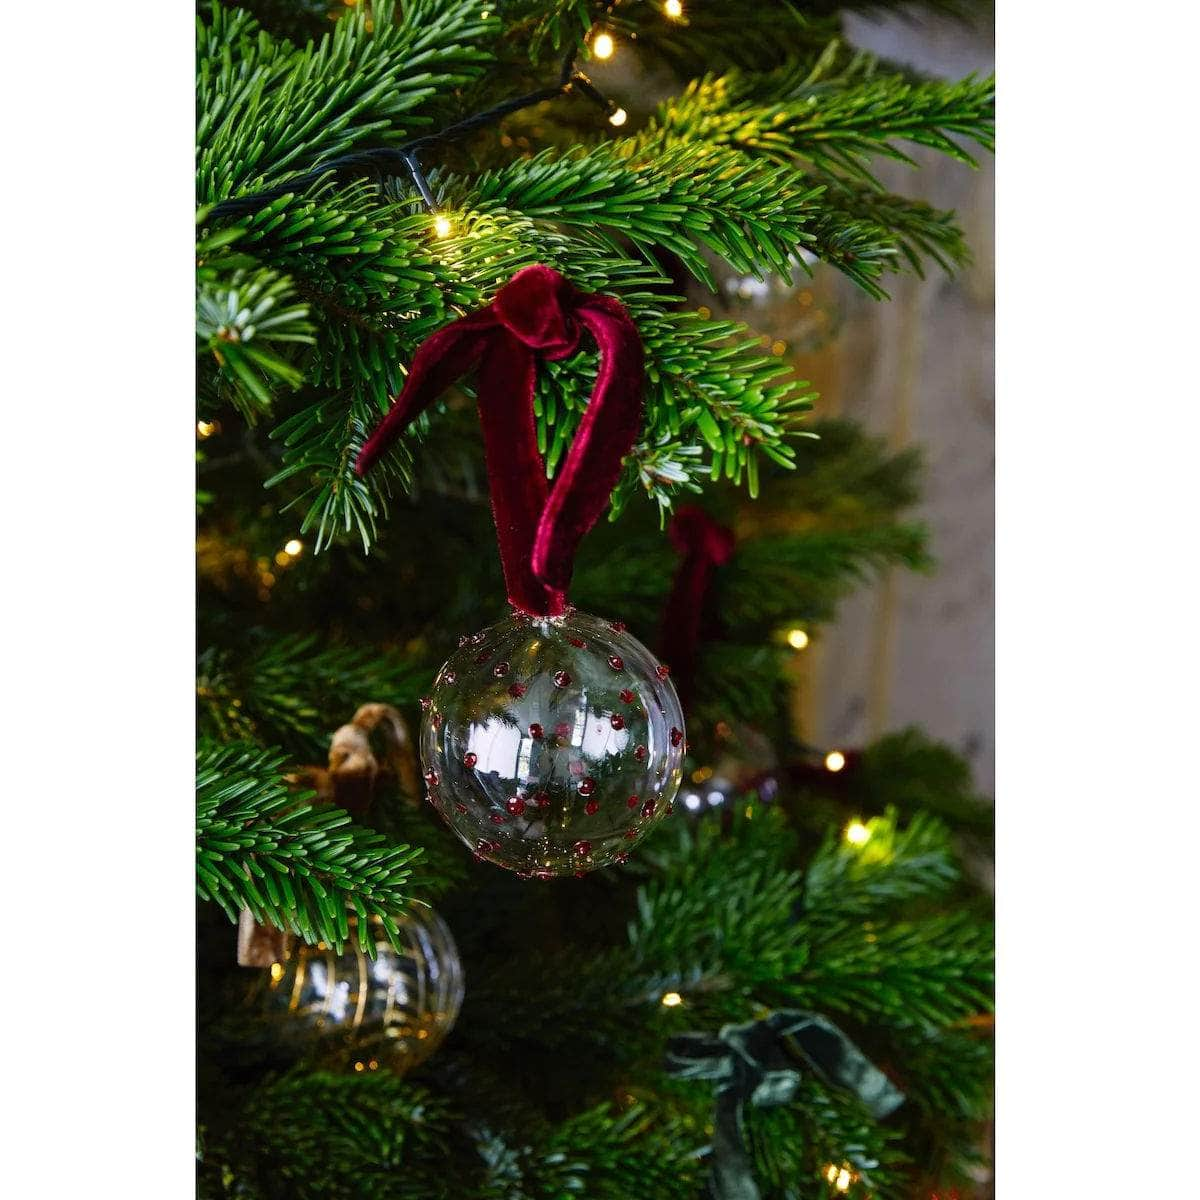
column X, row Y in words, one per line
column 392, row 1011
column 552, row 745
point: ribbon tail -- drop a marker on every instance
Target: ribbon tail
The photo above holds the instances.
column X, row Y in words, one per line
column 605, row 435
column 732, row 1173
column 516, row 475
column 836, row 1059
column 441, row 360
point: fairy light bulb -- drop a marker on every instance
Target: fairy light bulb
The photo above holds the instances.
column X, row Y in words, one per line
column 673, row 9
column 603, row 46
column 441, row 225
column 618, row 117
column 843, row 1180
column 857, row 834
column 835, row 760
column 292, row 547
column 672, row 1000
column 797, row 639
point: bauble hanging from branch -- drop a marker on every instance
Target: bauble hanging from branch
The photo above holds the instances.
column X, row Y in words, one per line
column 553, row 741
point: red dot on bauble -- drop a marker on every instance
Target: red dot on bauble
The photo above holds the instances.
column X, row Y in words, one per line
column 449, row 677
column 425, row 702
column 616, row 662
column 516, row 806
column 617, row 626
column 633, row 802
column 617, row 721
column 436, row 720
column 587, row 786
column 470, row 759
column 561, row 679
column 648, row 808
column 500, row 670
column 592, row 807
column 536, row 732
column 562, row 730
column 640, row 753
column 630, row 834
column 626, row 696
column 676, row 736
column 517, row 690
column 460, row 808
column 497, row 819
column 578, row 643
column 431, row 777
column 583, row 847
column 542, row 799
column 663, row 671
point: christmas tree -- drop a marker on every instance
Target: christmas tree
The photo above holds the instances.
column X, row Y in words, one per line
column 785, row 990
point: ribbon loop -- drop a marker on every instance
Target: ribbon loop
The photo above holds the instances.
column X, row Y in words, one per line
column 538, row 528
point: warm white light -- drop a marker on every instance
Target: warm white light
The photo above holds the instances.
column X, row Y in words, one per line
column 673, row 9
column 618, row 117
column 292, row 547
column 205, row 429
column 857, row 834
column 277, row 971
column 603, row 46
column 842, row 1183
column 835, row 760
column 672, row 1000
column 441, row 225
column 797, row 639
column 692, row 801
column 831, row 1172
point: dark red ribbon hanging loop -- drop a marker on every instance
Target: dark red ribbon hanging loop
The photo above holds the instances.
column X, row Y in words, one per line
column 538, row 527
column 704, row 545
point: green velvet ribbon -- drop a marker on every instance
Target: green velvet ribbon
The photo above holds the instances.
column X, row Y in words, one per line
column 758, row 1064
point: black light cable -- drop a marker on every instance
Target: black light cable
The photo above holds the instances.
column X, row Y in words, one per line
column 384, row 161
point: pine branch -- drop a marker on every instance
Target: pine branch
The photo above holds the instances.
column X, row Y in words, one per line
column 370, row 1135
column 896, row 865
column 295, row 690
column 601, row 1154
column 268, row 109
column 263, row 847
column 249, row 320
column 834, row 128
column 688, row 200
column 794, row 1145
column 930, row 971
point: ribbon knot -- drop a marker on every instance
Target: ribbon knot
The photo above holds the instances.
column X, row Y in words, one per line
column 537, row 313
column 540, row 312
column 759, row 1064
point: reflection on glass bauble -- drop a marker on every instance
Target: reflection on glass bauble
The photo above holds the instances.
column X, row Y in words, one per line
column 391, row 1011
column 552, row 745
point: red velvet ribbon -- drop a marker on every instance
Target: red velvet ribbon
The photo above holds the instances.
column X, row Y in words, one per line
column 538, row 527
column 704, row 544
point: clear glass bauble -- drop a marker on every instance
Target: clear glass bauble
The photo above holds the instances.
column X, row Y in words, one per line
column 552, row 745
column 391, row 1011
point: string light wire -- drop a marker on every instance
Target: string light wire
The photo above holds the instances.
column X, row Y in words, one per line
column 393, row 160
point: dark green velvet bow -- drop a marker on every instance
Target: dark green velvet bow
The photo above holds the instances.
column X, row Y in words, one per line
column 752, row 1064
